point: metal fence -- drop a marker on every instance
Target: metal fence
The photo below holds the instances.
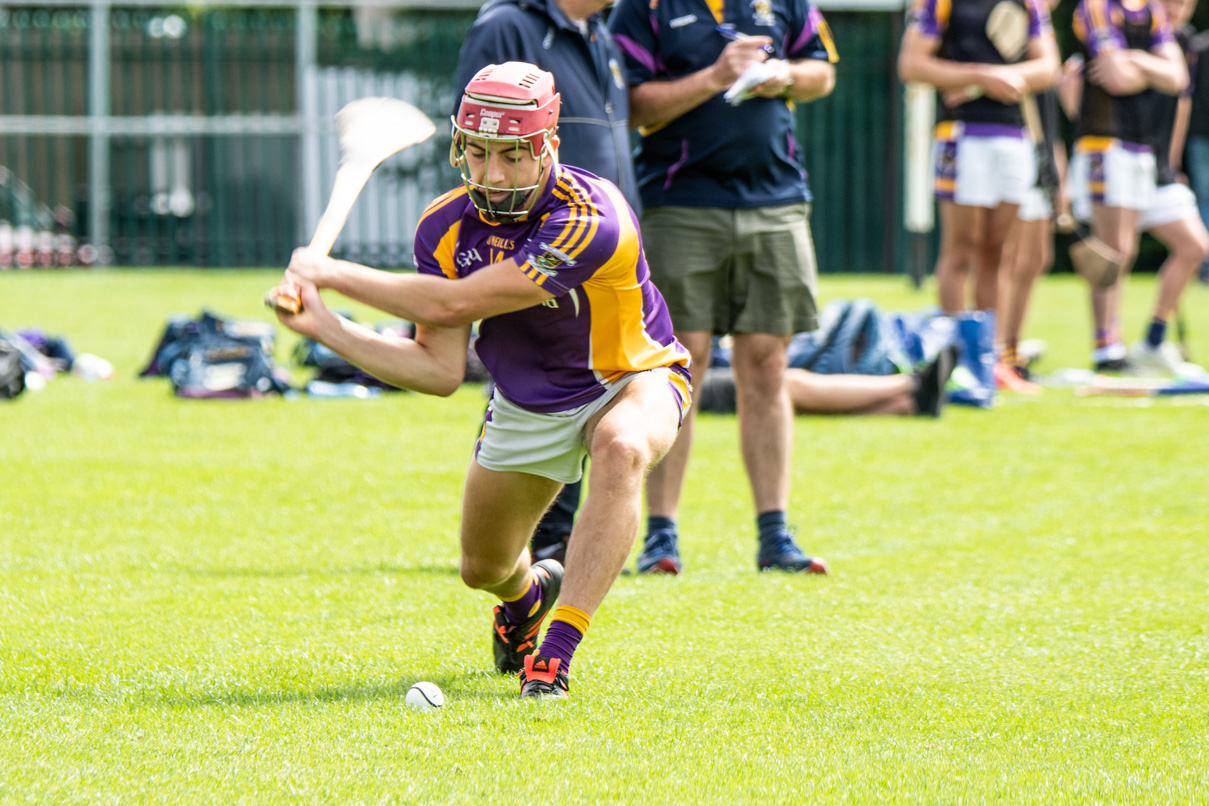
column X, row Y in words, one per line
column 202, row 135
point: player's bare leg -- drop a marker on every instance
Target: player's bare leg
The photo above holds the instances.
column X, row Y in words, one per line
column 1118, row 228
column 765, row 416
column 765, row 413
column 998, row 224
column 1187, row 244
column 812, row 393
column 666, row 480
column 499, row 513
column 961, row 228
column 624, row 440
column 1026, row 255
column 661, row 552
column 1025, row 258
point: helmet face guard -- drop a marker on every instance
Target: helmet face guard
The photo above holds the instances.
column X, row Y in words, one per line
column 510, row 103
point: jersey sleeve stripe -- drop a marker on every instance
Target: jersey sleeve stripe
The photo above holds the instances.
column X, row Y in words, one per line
column 587, row 215
column 443, row 254
column 574, row 223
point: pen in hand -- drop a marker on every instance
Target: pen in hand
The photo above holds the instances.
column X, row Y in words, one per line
column 730, row 33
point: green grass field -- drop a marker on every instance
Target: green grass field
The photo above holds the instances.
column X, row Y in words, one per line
column 221, row 602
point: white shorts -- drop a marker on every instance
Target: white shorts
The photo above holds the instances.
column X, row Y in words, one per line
column 551, row 444
column 1174, row 202
column 1111, row 173
column 1036, row 206
column 982, row 165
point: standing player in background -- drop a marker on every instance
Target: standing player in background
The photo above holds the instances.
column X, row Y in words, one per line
column 549, row 258
column 984, row 159
column 1130, row 55
column 568, row 39
column 1029, row 250
column 726, row 224
column 1173, row 218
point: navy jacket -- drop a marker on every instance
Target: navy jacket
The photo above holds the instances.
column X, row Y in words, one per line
column 592, row 125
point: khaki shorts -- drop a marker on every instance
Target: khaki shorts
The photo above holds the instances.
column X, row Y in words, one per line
column 734, row 271
column 551, row 444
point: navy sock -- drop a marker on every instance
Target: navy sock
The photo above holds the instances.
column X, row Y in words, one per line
column 1156, row 332
column 656, row 522
column 771, row 524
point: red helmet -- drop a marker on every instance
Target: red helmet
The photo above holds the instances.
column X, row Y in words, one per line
column 510, row 101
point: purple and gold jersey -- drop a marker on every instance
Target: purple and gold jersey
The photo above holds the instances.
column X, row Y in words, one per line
column 581, row 243
column 961, row 27
column 1102, row 26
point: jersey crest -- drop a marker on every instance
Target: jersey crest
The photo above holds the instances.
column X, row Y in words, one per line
column 550, row 260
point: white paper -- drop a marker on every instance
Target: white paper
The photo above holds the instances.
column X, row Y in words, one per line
column 755, row 75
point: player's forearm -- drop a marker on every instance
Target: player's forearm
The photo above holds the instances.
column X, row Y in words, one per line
column 812, row 79
column 940, row 73
column 1041, row 73
column 1117, row 73
column 655, row 102
column 1070, row 89
column 419, row 298
column 1163, row 73
column 404, row 363
column 1179, row 133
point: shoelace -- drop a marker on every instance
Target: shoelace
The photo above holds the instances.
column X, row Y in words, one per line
column 783, row 545
column 661, row 541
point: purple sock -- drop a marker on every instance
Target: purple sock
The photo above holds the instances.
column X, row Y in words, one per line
column 524, row 607
column 560, row 642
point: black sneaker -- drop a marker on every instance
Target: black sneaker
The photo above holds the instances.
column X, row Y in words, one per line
column 1122, row 365
column 782, row 554
column 930, row 383
column 512, row 643
column 543, row 678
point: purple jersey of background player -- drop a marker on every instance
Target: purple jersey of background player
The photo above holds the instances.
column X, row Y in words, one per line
column 581, row 243
column 1102, row 26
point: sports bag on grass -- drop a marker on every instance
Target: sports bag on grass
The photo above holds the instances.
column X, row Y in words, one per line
column 217, row 357
column 850, row 340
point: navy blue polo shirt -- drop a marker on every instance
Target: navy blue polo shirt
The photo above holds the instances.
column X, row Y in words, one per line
column 593, row 122
column 717, row 155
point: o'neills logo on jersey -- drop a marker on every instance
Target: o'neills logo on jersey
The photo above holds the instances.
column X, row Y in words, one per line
column 500, row 243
